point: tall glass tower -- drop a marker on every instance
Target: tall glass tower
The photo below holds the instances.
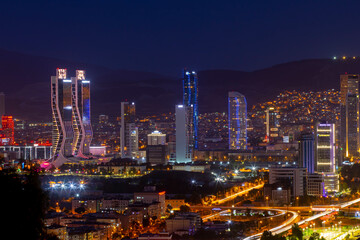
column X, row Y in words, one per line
column 190, row 99
column 237, row 114
column 349, row 115
column 70, row 104
column 129, row 145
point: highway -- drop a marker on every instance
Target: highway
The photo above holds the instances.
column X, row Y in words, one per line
column 231, row 197
column 287, row 225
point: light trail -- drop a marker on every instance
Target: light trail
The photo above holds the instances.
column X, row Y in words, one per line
column 214, row 215
column 237, row 194
column 286, row 226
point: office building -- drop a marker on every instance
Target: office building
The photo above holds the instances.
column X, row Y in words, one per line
column 2, row 106
column 81, row 115
column 184, row 136
column 272, row 124
column 307, row 152
column 129, row 143
column 156, row 138
column 349, row 115
column 237, row 125
column 190, row 99
column 292, row 176
column 325, row 147
column 156, row 154
column 315, row 185
column 7, row 131
column 151, row 195
column 70, row 104
column 325, row 162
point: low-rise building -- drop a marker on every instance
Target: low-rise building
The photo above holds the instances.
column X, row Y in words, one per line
column 295, row 177
column 150, row 195
column 315, row 185
column 184, row 222
column 57, row 230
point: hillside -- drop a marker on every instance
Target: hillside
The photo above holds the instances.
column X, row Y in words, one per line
column 25, row 79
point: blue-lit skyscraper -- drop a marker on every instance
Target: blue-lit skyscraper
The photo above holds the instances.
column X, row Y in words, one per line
column 237, row 114
column 190, row 99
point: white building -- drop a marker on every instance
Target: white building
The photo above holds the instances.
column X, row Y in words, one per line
column 184, row 136
column 156, row 138
column 325, row 162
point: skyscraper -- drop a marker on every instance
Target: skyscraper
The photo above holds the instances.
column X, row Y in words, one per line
column 129, row 144
column 237, row 114
column 70, row 103
column 184, row 134
column 272, row 124
column 2, row 106
column 349, row 115
column 307, row 152
column 325, row 162
column 190, row 99
column 81, row 114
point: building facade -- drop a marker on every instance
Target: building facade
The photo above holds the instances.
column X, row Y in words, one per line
column 307, row 152
column 325, row 158
column 190, row 99
column 272, row 124
column 70, row 103
column 237, row 124
column 7, row 131
column 129, row 136
column 156, row 138
column 295, row 177
column 349, row 115
column 184, row 136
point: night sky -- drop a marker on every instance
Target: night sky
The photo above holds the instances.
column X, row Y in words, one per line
column 165, row 36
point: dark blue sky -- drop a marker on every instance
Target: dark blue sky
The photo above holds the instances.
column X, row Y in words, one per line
column 165, row 36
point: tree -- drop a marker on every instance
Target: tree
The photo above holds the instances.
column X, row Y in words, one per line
column 24, row 205
column 314, row 236
column 267, row 235
column 296, row 232
column 80, row 210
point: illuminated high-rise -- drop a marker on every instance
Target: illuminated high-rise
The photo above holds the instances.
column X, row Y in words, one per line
column 184, row 135
column 190, row 99
column 272, row 124
column 349, row 115
column 325, row 162
column 237, row 125
column 70, row 103
column 81, row 114
column 129, row 143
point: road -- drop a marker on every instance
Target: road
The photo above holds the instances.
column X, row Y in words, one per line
column 233, row 196
column 287, row 225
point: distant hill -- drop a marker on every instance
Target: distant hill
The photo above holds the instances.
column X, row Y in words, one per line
column 25, row 79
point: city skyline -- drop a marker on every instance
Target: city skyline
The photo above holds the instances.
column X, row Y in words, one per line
column 180, row 120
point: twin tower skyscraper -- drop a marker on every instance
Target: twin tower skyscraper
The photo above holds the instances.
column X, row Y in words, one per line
column 71, row 129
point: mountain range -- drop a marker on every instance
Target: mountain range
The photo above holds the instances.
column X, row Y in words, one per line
column 25, row 79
